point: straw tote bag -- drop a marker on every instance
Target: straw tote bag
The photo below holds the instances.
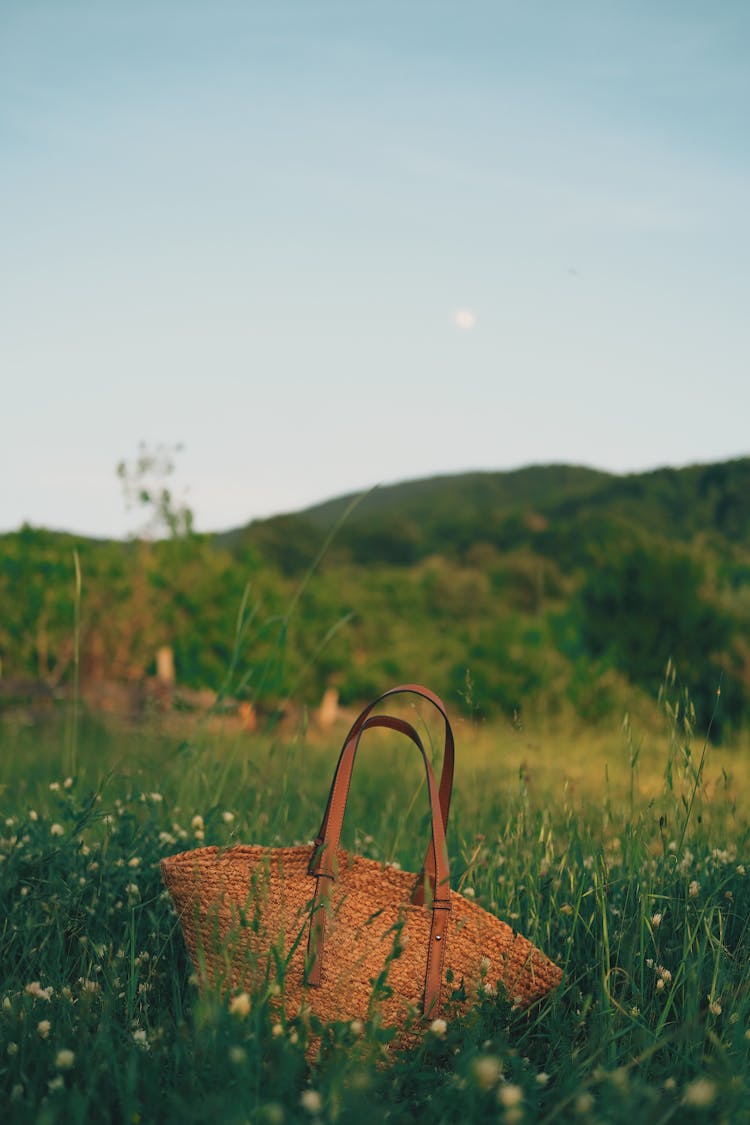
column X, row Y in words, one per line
column 343, row 936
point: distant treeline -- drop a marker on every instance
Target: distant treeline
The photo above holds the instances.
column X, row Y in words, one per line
column 548, row 588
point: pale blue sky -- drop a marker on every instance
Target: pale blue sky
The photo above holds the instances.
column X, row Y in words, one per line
column 248, row 228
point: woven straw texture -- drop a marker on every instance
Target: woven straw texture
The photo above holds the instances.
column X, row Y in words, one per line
column 245, row 914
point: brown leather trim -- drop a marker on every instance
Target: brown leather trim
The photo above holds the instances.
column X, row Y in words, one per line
column 346, row 761
column 323, row 857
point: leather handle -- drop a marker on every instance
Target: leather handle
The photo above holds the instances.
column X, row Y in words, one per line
column 346, row 762
column 322, row 863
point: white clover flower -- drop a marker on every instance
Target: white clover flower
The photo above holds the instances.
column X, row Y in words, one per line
column 56, row 1083
column 584, row 1103
column 542, row 1078
column 311, row 1101
column 239, row 1005
column 197, row 822
column 714, row 1007
column 487, row 1071
column 35, row 989
column 134, row 861
column 227, row 816
column 699, row 1093
column 656, row 920
column 694, row 889
column 56, row 829
column 277, row 1030
column 54, row 786
column 141, row 1038
column 510, row 1095
column 65, row 1059
column 68, row 783
column 12, row 1049
column 33, row 814
column 438, row 1027
column 237, row 1055
column 356, row 1027
column 43, row 1028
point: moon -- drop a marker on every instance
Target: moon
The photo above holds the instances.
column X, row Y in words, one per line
column 465, row 319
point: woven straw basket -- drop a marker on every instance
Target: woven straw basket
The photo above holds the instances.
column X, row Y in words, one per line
column 343, row 936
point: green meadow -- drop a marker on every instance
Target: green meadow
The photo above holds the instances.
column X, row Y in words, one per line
column 600, row 801
column 621, row 853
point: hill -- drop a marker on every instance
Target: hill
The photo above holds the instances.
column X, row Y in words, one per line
column 550, row 588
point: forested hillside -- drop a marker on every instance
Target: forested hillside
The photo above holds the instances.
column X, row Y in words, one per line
column 545, row 589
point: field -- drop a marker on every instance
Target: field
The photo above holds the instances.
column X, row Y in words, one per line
column 622, row 855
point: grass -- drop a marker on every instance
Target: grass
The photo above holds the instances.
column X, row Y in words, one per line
column 622, row 856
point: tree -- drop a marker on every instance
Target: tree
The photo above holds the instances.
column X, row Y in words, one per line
column 145, row 486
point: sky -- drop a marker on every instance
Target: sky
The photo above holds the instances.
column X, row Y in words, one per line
column 325, row 244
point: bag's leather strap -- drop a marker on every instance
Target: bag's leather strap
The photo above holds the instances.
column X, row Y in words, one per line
column 323, row 866
column 343, row 775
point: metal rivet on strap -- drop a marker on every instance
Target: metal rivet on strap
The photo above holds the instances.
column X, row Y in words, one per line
column 438, row 937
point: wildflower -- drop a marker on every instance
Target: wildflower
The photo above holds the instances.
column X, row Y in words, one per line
column 43, row 1027
column 656, row 920
column 7, row 1006
column 197, row 822
column 542, row 1078
column 33, row 814
column 699, row 1093
column 156, row 797
column 740, row 869
column 56, row 829
column 694, row 888
column 584, row 1103
column 65, row 1059
column 140, row 1038
column 510, row 1095
column 12, row 1049
column 239, row 1005
column 488, row 1071
column 277, row 1030
column 438, row 1027
column 660, row 985
column 237, row 1055
column 135, row 861
column 35, row 989
column 227, row 817
column 132, row 889
column 68, row 783
column 469, row 892
column 714, row 1007
column 311, row 1101
column 484, row 966
column 54, row 786
column 356, row 1027
column 56, row 1083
